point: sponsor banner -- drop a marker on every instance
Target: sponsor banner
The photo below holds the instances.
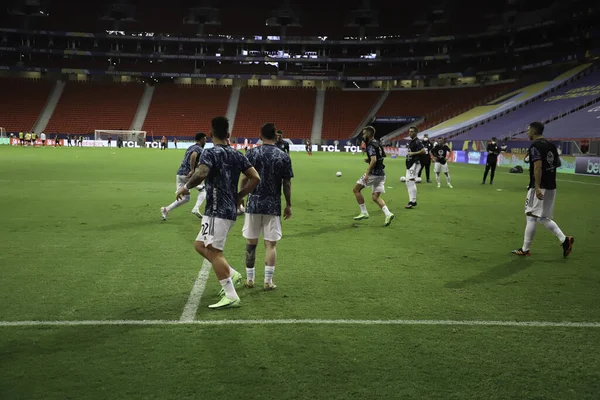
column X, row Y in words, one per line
column 396, row 151
column 587, row 166
column 396, row 119
column 38, row 142
column 4, row 141
column 331, row 148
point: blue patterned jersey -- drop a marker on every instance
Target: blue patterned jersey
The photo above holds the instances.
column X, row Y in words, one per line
column 273, row 166
column 185, row 169
column 225, row 166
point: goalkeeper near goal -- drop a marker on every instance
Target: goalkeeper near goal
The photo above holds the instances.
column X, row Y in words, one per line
column 185, row 171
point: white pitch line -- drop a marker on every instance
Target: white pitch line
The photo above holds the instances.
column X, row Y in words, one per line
column 532, row 324
column 191, row 307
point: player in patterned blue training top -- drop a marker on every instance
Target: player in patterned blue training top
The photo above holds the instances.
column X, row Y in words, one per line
column 539, row 204
column 263, row 210
column 440, row 156
column 220, row 168
column 185, row 171
column 373, row 177
column 282, row 144
column 413, row 165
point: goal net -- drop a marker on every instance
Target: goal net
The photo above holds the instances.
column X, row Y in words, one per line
column 101, row 136
column 2, row 133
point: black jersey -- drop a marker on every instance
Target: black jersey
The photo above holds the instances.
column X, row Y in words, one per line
column 546, row 152
column 493, row 150
column 441, row 152
column 414, row 146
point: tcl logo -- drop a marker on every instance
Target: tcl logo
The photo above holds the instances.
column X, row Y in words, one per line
column 330, row 148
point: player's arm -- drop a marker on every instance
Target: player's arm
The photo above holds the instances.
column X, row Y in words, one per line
column 193, row 159
column 252, row 181
column 431, row 153
column 287, row 193
column 537, row 176
column 197, row 178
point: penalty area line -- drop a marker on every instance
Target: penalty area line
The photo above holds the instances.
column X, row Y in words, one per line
column 158, row 322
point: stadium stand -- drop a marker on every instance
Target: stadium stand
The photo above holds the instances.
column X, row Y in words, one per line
column 551, row 105
column 87, row 106
column 582, row 124
column 291, row 109
column 436, row 106
column 183, row 110
column 345, row 110
column 22, row 102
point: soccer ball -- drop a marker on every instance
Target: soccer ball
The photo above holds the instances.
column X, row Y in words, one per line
column 338, row 174
column 418, row 180
column 402, row 179
column 240, row 210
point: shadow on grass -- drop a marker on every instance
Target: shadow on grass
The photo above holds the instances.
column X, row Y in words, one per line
column 323, row 230
column 498, row 272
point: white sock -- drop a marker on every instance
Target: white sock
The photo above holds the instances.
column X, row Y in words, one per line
column 200, row 200
column 412, row 191
column 530, row 229
column 437, row 178
column 269, row 271
column 552, row 227
column 178, row 203
column 227, row 285
column 232, row 271
column 448, row 179
column 363, row 209
column 250, row 274
column 385, row 210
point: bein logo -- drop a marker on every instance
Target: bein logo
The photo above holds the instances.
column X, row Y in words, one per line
column 593, row 168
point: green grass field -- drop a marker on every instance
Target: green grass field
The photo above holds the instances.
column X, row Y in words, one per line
column 370, row 312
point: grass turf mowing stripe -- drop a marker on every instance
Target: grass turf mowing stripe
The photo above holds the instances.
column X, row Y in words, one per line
column 534, row 324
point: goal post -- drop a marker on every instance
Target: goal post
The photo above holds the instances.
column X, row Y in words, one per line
column 101, row 136
column 2, row 133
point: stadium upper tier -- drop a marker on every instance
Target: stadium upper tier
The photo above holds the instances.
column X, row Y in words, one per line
column 238, row 17
column 582, row 124
column 553, row 104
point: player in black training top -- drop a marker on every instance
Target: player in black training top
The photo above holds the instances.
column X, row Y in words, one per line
column 263, row 212
column 413, row 165
column 220, row 168
column 309, row 147
column 374, row 177
column 282, row 144
column 493, row 150
column 539, row 204
column 440, row 155
column 426, row 159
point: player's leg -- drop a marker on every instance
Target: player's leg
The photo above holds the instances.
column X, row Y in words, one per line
column 546, row 220
column 271, row 234
column 210, row 243
column 427, row 171
column 447, row 173
column 358, row 187
column 485, row 173
column 378, row 189
column 532, row 210
column 411, row 185
column 199, row 201
column 180, row 181
column 493, row 168
column 437, row 168
column 251, row 232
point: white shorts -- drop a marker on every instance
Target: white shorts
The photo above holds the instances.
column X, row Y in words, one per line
column 213, row 232
column 182, row 180
column 413, row 171
column 268, row 225
column 376, row 182
column 540, row 208
column 439, row 167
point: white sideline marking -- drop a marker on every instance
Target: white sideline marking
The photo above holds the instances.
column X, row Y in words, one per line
column 533, row 324
column 191, row 307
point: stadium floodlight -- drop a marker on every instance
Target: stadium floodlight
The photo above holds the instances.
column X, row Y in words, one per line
column 102, row 135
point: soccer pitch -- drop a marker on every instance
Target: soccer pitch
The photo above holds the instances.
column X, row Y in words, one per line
column 94, row 284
